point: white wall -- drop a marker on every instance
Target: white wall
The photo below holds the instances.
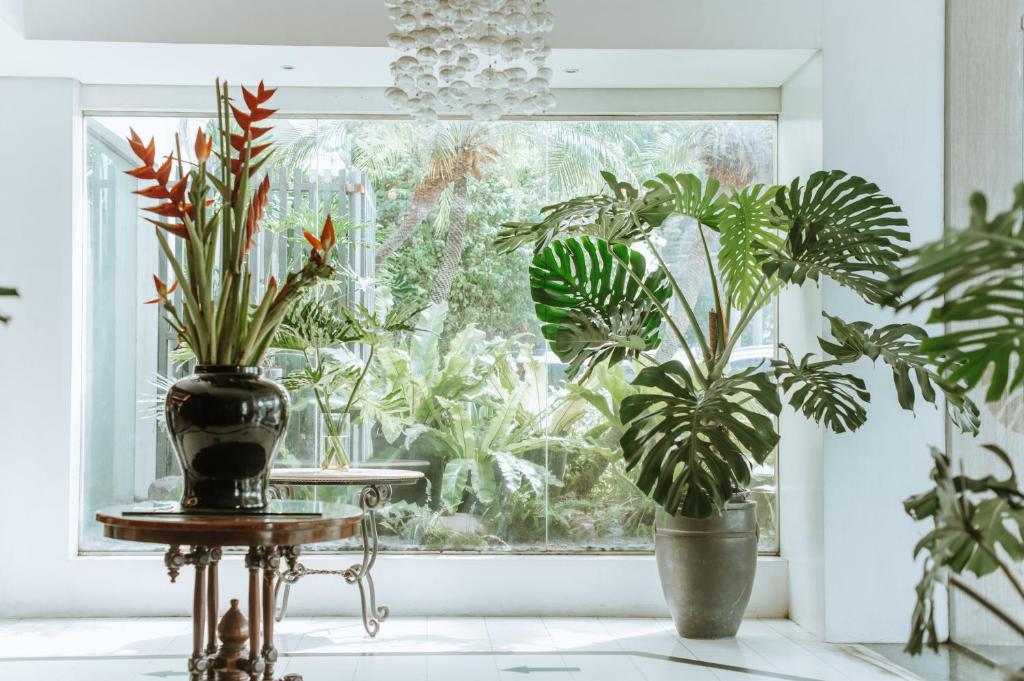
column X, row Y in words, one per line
column 801, row 501
column 883, row 65
column 40, row 190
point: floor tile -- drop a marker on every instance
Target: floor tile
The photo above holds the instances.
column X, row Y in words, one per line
column 457, row 633
column 440, row 648
column 518, row 633
column 469, row 667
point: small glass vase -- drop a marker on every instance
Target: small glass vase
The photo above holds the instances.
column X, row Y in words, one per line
column 335, row 456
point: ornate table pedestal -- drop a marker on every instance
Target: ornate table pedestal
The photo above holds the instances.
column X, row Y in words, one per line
column 246, row 651
column 376, row 488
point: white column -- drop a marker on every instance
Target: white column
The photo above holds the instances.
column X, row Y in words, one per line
column 883, row 70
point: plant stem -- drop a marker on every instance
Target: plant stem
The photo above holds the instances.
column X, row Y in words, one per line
column 748, row 313
column 698, row 331
column 665, row 315
column 359, row 381
column 719, row 313
column 988, row 605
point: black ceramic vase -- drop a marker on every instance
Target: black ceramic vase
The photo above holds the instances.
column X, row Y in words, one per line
column 226, row 423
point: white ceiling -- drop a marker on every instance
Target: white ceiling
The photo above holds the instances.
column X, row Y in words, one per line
column 337, row 43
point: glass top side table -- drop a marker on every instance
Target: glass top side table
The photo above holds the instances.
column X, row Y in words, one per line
column 376, row 489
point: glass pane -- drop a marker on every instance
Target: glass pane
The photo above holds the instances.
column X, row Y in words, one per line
column 515, row 458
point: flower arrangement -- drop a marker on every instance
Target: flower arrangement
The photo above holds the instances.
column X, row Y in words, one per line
column 215, row 206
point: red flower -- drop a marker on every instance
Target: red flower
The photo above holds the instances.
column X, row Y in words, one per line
column 163, row 293
column 204, row 146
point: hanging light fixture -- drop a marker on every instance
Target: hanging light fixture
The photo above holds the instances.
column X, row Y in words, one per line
column 482, row 57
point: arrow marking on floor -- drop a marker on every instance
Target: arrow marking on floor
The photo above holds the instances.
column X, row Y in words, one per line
column 536, row 670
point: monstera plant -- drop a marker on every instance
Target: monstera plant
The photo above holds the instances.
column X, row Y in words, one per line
column 978, row 520
column 698, row 423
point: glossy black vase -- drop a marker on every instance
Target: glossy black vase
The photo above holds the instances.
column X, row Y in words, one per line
column 226, row 423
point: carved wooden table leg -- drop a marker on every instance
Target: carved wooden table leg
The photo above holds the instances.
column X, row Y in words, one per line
column 212, row 606
column 253, row 561
column 197, row 663
column 271, row 563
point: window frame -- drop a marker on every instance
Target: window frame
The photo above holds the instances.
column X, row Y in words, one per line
column 101, row 112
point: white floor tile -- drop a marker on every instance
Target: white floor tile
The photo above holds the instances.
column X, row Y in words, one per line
column 456, row 633
column 469, row 667
column 518, row 633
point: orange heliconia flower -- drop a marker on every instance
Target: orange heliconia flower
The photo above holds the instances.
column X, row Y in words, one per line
column 256, row 208
column 163, row 293
column 204, row 146
column 323, row 243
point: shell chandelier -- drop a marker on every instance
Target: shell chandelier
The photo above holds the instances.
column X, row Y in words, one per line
column 482, row 57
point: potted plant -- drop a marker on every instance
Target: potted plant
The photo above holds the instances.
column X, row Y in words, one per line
column 225, row 421
column 322, row 328
column 978, row 520
column 698, row 424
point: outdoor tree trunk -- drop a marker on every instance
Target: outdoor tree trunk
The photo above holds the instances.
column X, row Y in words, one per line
column 423, row 201
column 452, row 255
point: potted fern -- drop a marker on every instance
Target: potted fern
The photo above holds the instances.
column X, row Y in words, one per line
column 698, row 423
column 225, row 420
column 978, row 520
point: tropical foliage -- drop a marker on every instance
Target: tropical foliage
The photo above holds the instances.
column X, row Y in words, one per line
column 699, row 426
column 978, row 520
column 337, row 341
column 215, row 209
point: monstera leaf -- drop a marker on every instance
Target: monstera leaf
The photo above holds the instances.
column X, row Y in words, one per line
column 899, row 346
column 838, row 226
column 746, row 232
column 976, row 520
column 591, row 303
column 621, row 217
column 692, row 445
column 822, row 394
column 978, row 271
column 690, row 197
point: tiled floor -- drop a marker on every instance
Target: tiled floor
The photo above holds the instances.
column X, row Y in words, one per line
column 454, row 649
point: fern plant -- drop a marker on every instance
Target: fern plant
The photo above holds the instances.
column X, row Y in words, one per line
column 697, row 426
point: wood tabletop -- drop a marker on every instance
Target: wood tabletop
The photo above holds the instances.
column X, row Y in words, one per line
column 276, row 528
column 350, row 476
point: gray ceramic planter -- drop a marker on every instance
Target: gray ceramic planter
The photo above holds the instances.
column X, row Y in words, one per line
column 707, row 569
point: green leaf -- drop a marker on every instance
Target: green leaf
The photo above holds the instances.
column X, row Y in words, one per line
column 454, row 482
column 691, row 447
column 691, row 197
column 900, row 346
column 975, row 520
column 838, row 226
column 977, row 271
column 822, row 394
column 591, row 309
column 619, row 218
column 747, row 232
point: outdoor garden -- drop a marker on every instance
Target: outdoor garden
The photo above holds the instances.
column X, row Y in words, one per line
column 423, row 351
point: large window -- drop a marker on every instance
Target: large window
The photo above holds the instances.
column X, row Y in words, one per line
column 516, row 459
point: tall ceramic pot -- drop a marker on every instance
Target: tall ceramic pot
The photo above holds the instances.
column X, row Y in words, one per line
column 226, row 423
column 707, row 568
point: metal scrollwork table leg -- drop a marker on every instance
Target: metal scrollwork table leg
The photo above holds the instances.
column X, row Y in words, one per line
column 360, row 574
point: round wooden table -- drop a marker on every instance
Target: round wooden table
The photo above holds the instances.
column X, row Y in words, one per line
column 376, row 484
column 270, row 537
